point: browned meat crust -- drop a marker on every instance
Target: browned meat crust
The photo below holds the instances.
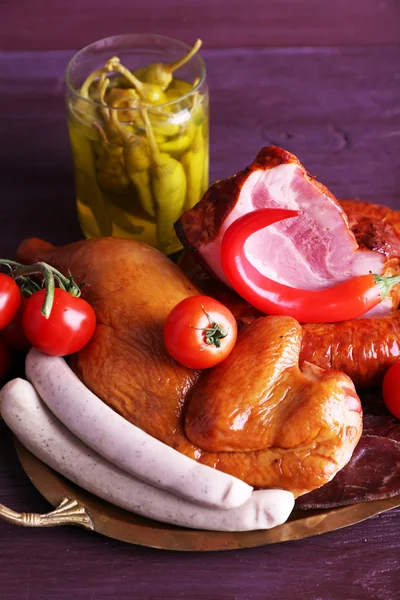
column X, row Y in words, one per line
column 364, row 348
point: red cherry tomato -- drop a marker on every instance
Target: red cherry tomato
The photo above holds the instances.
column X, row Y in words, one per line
column 5, row 360
column 69, row 327
column 14, row 334
column 200, row 332
column 10, row 299
column 391, row 389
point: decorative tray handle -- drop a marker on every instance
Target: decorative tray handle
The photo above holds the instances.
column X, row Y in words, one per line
column 69, row 512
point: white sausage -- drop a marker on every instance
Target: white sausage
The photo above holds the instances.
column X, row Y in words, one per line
column 41, row 432
column 124, row 444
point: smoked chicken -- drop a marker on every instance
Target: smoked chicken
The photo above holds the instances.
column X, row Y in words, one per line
column 287, row 428
column 132, row 288
column 373, row 472
column 259, row 409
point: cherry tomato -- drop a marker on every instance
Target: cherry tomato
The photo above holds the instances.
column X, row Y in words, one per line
column 5, row 360
column 69, row 327
column 391, row 389
column 10, row 299
column 14, row 334
column 200, row 332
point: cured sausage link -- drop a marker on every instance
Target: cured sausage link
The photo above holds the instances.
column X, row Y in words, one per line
column 362, row 348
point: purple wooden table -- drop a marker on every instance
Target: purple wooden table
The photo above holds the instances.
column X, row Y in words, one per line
column 323, row 83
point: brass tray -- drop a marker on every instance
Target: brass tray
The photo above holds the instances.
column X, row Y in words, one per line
column 76, row 506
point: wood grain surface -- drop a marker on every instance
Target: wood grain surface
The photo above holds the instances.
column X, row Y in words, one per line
column 336, row 108
column 54, row 24
column 335, row 105
column 358, row 563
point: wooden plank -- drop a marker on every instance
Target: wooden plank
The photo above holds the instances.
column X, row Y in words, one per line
column 49, row 24
column 65, row 563
column 73, row 563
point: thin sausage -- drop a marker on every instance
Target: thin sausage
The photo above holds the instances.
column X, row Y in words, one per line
column 41, row 432
column 124, row 444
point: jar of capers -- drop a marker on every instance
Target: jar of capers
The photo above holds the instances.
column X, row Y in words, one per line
column 138, row 123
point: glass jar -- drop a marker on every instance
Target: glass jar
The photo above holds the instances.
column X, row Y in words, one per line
column 140, row 150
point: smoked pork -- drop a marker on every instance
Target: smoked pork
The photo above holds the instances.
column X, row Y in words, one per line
column 363, row 348
column 316, row 249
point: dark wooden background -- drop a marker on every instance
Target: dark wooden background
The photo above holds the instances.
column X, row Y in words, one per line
column 321, row 79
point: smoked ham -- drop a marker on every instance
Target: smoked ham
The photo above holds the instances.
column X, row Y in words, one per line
column 363, row 348
column 132, row 288
column 315, row 250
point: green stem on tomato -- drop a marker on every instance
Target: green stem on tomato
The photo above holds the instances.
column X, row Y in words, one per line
column 28, row 287
column 213, row 334
column 48, row 272
column 42, row 269
column 38, row 269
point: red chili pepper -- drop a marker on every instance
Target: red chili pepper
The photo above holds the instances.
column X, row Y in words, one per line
column 347, row 300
